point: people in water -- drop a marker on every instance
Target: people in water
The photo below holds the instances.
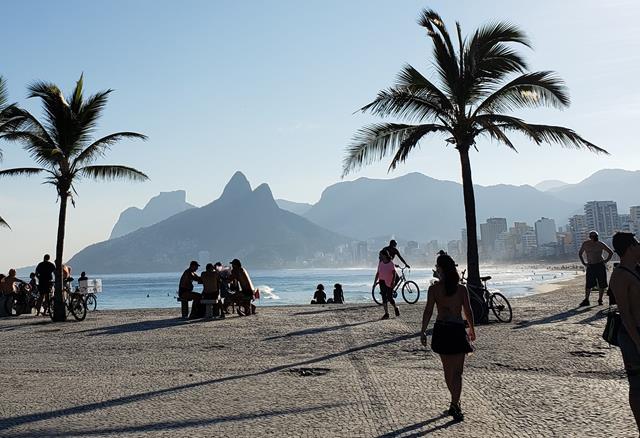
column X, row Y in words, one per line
column 450, row 339
column 319, row 296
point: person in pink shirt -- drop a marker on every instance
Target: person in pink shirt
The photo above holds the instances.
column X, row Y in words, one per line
column 386, row 275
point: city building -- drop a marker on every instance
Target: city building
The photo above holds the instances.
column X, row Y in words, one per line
column 490, row 230
column 545, row 231
column 602, row 216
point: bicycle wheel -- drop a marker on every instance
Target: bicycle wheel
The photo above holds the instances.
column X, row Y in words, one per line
column 12, row 306
column 376, row 294
column 410, row 292
column 501, row 307
column 92, row 302
column 78, row 308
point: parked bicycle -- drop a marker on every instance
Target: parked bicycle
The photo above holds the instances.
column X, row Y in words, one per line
column 482, row 300
column 74, row 303
column 21, row 301
column 410, row 289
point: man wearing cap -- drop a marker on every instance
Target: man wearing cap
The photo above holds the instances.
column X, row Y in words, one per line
column 596, row 266
column 246, row 292
column 625, row 286
column 185, row 288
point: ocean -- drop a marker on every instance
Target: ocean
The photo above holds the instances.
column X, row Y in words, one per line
column 296, row 286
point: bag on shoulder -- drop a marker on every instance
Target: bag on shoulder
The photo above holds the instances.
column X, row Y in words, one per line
column 612, row 327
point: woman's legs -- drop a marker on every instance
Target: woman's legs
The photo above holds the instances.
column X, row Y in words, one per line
column 453, row 365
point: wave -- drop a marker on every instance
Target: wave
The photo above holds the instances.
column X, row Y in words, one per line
column 267, row 293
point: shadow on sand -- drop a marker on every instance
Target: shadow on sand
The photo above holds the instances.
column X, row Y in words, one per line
column 562, row 316
column 168, row 425
column 316, row 330
column 139, row 326
column 417, row 428
column 334, row 309
column 7, row 423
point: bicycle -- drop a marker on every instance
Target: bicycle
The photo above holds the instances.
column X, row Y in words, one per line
column 482, row 301
column 74, row 304
column 21, row 301
column 410, row 289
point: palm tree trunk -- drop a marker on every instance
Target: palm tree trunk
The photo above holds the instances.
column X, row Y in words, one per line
column 473, row 264
column 59, row 311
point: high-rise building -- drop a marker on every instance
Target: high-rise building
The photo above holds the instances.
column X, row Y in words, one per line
column 545, row 231
column 490, row 230
column 463, row 242
column 602, row 216
column 634, row 212
column 529, row 242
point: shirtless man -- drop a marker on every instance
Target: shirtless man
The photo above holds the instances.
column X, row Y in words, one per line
column 392, row 249
column 185, row 288
column 596, row 266
column 210, row 287
column 625, row 286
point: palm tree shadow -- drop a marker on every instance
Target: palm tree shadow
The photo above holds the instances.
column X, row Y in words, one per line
column 562, row 316
column 139, row 326
column 415, row 428
column 316, row 330
column 173, row 425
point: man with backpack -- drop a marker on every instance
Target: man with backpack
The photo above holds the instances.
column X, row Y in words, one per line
column 625, row 286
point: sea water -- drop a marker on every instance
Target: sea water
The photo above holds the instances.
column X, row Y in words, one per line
column 296, row 286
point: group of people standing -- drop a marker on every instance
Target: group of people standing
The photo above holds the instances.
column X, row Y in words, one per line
column 223, row 285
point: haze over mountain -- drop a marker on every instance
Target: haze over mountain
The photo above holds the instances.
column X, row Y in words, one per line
column 242, row 223
column 299, row 208
column 422, row 208
column 550, row 184
column 622, row 186
column 160, row 207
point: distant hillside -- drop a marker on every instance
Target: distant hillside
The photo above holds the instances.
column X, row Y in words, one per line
column 549, row 185
column 422, row 208
column 242, row 223
column 160, row 207
column 299, row 208
column 622, row 186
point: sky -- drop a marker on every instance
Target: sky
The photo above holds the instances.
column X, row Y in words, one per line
column 271, row 88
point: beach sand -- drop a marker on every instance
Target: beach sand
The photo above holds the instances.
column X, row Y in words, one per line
column 312, row 371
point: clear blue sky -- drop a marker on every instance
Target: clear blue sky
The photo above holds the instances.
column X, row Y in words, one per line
column 270, row 88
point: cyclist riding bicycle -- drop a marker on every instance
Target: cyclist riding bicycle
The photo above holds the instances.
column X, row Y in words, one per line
column 392, row 250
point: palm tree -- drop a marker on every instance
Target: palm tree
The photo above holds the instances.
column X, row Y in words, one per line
column 7, row 121
column 476, row 87
column 64, row 148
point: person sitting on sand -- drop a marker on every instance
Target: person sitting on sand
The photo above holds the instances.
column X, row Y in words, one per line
column 449, row 340
column 625, row 286
column 319, row 297
column 185, row 288
column 338, row 294
column 385, row 277
column 246, row 291
column 210, row 288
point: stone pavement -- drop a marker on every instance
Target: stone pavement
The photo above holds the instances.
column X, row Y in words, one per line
column 310, row 371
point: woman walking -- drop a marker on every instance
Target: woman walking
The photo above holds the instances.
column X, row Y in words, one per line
column 450, row 339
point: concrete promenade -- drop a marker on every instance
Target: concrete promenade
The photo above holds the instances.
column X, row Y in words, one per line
column 310, row 371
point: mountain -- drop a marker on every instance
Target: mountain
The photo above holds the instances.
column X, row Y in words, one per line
column 299, row 208
column 160, row 207
column 243, row 223
column 550, row 185
column 622, row 186
column 422, row 208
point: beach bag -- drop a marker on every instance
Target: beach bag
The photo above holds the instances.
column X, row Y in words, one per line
column 612, row 327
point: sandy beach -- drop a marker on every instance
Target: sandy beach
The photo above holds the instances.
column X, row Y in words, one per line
column 311, row 371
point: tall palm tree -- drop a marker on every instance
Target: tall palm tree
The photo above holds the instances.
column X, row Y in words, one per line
column 64, row 147
column 8, row 120
column 477, row 85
